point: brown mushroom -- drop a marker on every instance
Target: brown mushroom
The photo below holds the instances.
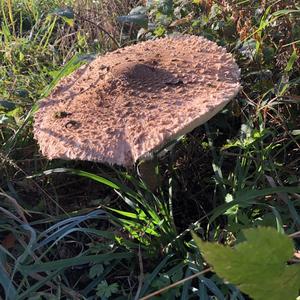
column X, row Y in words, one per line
column 132, row 101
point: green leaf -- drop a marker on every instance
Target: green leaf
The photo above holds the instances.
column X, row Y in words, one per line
column 105, row 290
column 96, row 270
column 138, row 19
column 64, row 13
column 137, row 15
column 6, row 284
column 165, row 6
column 294, row 57
column 258, row 265
column 7, row 105
column 80, row 173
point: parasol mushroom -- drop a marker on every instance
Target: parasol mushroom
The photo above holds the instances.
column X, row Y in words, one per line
column 132, row 101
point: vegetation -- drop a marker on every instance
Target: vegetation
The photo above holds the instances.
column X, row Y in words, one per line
column 78, row 230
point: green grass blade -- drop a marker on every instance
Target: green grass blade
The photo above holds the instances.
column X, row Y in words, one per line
column 154, row 274
column 37, row 286
column 186, row 286
column 74, row 261
column 7, row 285
column 73, row 64
column 65, row 227
column 251, row 194
column 80, row 173
column 246, row 198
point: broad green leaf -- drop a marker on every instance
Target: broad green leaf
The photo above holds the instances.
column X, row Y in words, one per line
column 137, row 15
column 258, row 265
column 7, row 105
column 165, row 6
column 139, row 10
column 64, row 13
column 138, row 19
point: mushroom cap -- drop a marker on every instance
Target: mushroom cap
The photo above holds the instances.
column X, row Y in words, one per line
column 134, row 100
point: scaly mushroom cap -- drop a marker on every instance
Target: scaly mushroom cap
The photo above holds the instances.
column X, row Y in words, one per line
column 134, row 100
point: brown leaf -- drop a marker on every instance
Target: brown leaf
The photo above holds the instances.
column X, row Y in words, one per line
column 9, row 241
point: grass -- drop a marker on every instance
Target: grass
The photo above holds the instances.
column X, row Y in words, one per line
column 77, row 230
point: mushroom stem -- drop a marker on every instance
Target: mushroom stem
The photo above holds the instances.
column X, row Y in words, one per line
column 149, row 173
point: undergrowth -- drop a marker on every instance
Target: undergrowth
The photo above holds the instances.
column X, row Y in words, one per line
column 77, row 230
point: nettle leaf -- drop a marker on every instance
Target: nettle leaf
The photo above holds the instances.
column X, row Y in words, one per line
column 258, row 265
